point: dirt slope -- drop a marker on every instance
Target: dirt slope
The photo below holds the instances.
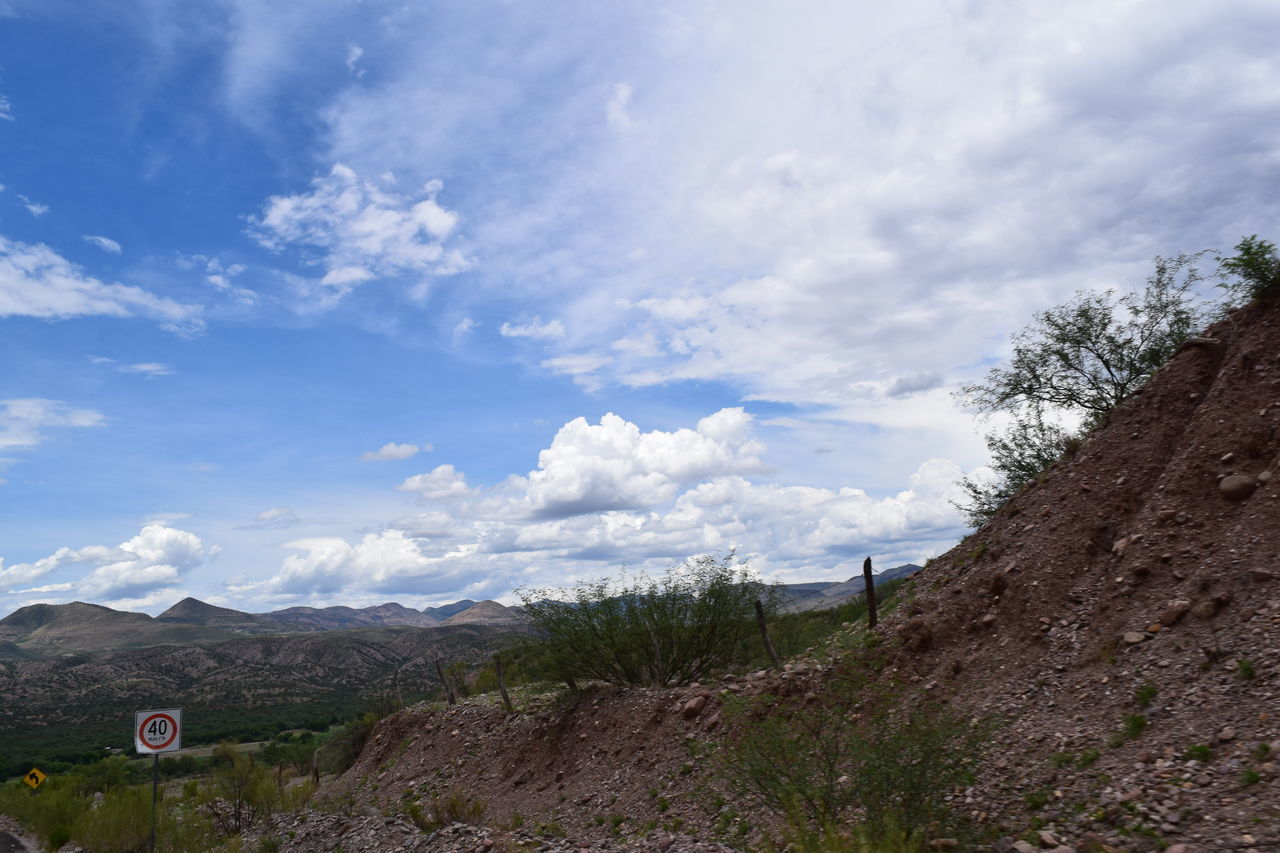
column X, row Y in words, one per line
column 1116, row 615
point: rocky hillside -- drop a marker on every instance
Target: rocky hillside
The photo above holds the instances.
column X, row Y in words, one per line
column 1119, row 620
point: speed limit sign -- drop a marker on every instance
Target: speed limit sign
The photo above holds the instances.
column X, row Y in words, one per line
column 157, row 731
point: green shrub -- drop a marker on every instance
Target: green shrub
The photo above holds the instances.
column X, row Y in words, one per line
column 1145, row 694
column 454, row 807
column 343, row 748
column 1253, row 272
column 120, row 823
column 649, row 631
column 1198, row 752
column 817, row 763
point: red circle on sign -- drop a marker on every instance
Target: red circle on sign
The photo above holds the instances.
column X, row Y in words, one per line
column 173, row 731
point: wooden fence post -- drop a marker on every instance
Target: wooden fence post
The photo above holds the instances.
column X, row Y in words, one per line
column 764, row 634
column 871, row 592
column 448, row 688
column 502, row 682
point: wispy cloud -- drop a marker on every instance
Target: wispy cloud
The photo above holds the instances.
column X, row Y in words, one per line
column 36, row 281
column 24, row 422
column 106, row 244
column 34, row 208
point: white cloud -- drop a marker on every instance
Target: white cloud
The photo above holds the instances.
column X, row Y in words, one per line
column 276, row 518
column 106, row 244
column 441, row 483
column 354, row 52
column 6, row 110
column 34, row 208
column 24, row 421
column 362, row 232
column 148, row 368
column 391, row 450
column 157, row 556
column 537, row 330
column 37, row 282
column 613, row 465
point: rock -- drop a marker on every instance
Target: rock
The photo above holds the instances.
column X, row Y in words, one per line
column 1134, row 637
column 1174, row 612
column 1179, row 848
column 1166, row 515
column 1048, row 839
column 1261, row 575
column 694, row 707
column 1205, row 609
column 944, row 843
column 1264, row 477
column 1237, row 487
column 1024, row 847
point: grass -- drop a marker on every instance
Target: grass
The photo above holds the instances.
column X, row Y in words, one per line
column 1145, row 694
column 1245, row 669
column 1201, row 752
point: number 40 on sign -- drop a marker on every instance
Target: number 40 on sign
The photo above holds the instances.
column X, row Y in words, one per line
column 157, row 731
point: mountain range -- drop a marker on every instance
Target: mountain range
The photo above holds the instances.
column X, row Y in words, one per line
column 43, row 630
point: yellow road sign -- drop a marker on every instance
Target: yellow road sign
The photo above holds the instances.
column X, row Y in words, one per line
column 35, row 778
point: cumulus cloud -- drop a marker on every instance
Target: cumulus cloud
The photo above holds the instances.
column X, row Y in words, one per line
column 610, row 493
column 106, row 244
column 361, row 231
column 613, row 465
column 388, row 561
column 157, row 556
column 391, row 450
column 24, row 421
column 35, row 281
column 440, row 483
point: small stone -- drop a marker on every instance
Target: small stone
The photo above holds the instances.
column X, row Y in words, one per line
column 694, row 706
column 1133, row 637
column 1227, row 734
column 1048, row 839
column 1166, row 515
column 1155, row 628
column 944, row 843
column 1179, row 848
column 1264, row 477
column 1024, row 847
column 1261, row 575
column 1237, row 487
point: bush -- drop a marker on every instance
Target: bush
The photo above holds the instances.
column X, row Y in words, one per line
column 671, row 630
column 120, row 823
column 852, row 750
column 453, row 807
column 1253, row 272
column 342, row 750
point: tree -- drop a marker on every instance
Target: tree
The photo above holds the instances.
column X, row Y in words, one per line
column 1080, row 359
column 1088, row 355
column 1253, row 271
column 1018, row 456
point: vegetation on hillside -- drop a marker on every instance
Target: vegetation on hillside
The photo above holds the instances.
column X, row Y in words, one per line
column 1079, row 360
column 669, row 630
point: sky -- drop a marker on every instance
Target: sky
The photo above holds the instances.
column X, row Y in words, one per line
column 353, row 301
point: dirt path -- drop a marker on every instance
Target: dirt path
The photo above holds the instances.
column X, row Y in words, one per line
column 14, row 840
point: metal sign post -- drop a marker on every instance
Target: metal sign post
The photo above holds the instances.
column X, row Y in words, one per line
column 156, row 732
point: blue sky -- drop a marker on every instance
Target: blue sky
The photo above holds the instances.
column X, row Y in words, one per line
column 347, row 302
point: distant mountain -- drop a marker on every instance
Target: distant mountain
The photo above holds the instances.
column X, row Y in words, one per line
column 445, row 611
column 485, row 613
column 833, row 595
column 54, row 628
column 193, row 611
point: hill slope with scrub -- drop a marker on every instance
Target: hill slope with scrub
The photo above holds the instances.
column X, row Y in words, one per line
column 1117, row 622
